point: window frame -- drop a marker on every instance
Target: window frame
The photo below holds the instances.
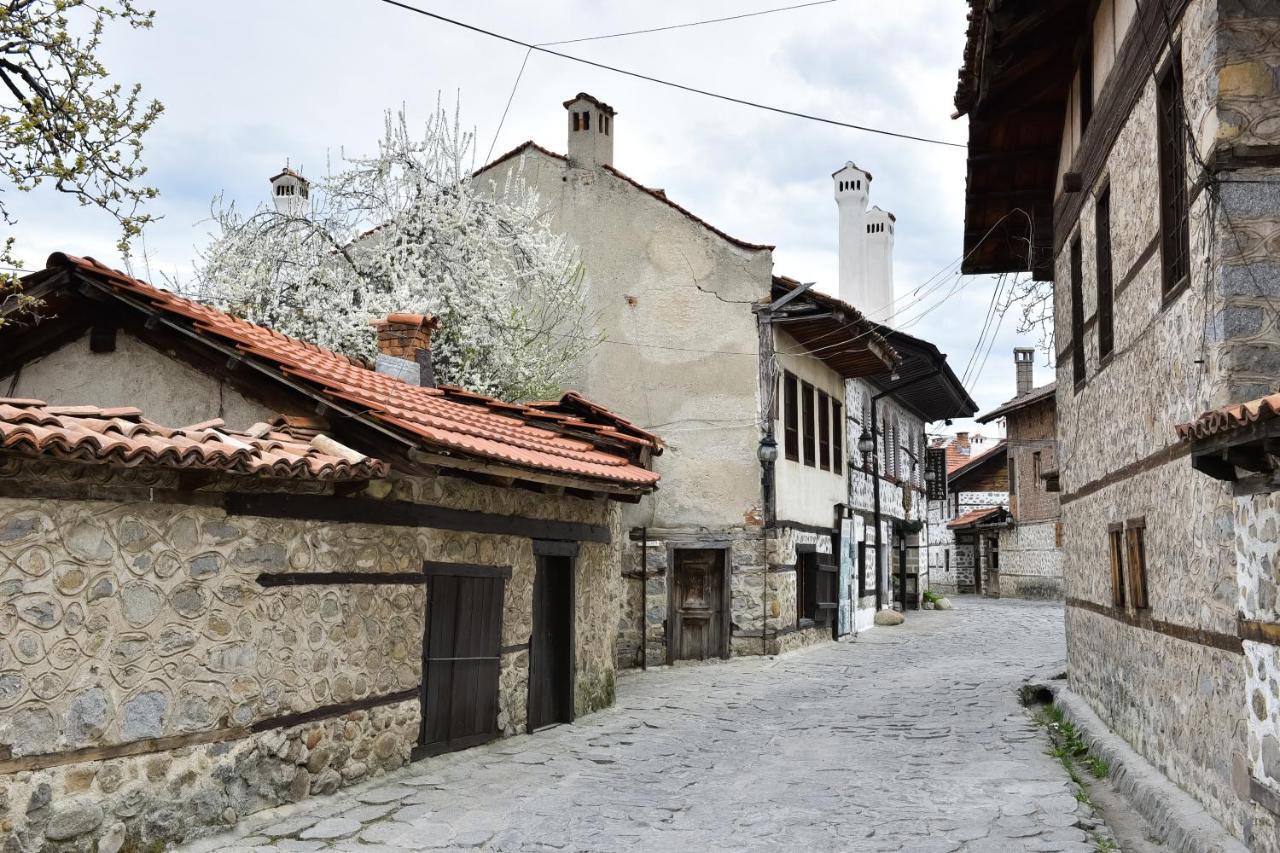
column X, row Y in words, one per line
column 1135, row 531
column 1078, row 367
column 1175, row 200
column 808, row 426
column 790, row 416
column 837, row 436
column 1106, row 274
column 1116, row 547
column 824, row 430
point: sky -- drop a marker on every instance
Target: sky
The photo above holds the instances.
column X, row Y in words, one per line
column 248, row 85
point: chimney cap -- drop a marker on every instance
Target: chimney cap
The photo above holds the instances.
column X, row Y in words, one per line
column 849, row 164
column 583, row 96
column 430, row 321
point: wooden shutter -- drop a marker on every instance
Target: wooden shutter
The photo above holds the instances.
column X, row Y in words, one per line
column 791, row 417
column 1115, row 539
column 1077, row 313
column 837, row 436
column 1136, row 535
column 824, row 431
column 1171, row 137
column 1102, row 240
column 810, row 427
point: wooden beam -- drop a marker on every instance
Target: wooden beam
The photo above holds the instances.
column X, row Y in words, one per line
column 498, row 469
column 270, row 579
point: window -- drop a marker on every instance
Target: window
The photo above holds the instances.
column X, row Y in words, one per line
column 1013, row 476
column 806, row 403
column 1102, row 236
column 1135, row 532
column 1077, row 313
column 1086, row 90
column 1035, row 470
column 790, row 417
column 586, row 121
column 807, row 587
column 1171, row 135
column 837, row 436
column 862, row 568
column 1115, row 540
column 824, row 431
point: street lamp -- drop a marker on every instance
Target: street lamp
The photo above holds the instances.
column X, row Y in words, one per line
column 866, row 446
column 767, row 452
column 929, row 474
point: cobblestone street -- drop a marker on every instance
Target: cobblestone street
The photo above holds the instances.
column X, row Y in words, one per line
column 910, row 738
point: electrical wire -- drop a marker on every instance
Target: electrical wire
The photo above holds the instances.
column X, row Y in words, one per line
column 692, row 89
column 683, row 26
column 507, row 108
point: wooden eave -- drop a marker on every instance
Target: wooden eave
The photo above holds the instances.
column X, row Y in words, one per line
column 1015, row 95
column 1248, row 455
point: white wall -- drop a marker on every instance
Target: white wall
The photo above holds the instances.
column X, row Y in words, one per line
column 807, row 494
column 166, row 390
column 680, row 358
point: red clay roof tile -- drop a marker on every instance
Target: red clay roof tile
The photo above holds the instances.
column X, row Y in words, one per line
column 123, row 437
column 451, row 418
column 1230, row 417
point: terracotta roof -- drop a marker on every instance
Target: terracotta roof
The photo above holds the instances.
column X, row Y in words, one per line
column 975, row 516
column 1232, row 417
column 445, row 418
column 1035, row 395
column 290, row 173
column 971, row 462
column 583, row 96
column 660, row 195
column 123, row 437
column 957, row 458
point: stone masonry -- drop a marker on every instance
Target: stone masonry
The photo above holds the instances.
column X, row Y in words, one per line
column 138, row 628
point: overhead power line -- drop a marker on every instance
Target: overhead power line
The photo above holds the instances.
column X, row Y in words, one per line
column 690, row 24
column 682, row 87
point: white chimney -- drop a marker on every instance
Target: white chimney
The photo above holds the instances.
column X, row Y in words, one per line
column 291, row 193
column 866, row 246
column 590, row 131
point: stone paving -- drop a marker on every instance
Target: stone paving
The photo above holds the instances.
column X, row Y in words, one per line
column 910, row 738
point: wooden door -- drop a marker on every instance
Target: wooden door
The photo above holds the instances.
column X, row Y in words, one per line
column 551, row 645
column 698, row 605
column 461, row 658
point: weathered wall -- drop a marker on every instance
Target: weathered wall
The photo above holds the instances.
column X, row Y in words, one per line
column 167, row 391
column 122, row 622
column 1178, row 699
column 676, row 356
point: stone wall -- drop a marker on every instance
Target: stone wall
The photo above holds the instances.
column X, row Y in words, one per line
column 1177, row 698
column 1030, row 561
column 139, row 626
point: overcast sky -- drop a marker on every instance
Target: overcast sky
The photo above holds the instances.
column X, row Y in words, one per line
column 247, row 83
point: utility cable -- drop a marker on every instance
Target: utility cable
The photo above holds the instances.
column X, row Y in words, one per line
column 692, row 89
column 683, row 26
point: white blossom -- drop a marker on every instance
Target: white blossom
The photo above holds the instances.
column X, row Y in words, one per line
column 408, row 229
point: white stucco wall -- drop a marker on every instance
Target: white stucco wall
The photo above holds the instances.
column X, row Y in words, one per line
column 681, row 351
column 166, row 390
column 805, row 494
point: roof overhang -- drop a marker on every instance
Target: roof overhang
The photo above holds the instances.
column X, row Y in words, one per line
column 996, row 454
column 1018, row 65
column 923, row 381
column 1239, row 444
column 1031, row 398
column 996, row 516
column 833, row 331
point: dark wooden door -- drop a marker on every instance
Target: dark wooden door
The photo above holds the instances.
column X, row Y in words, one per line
column 551, row 645
column 461, row 660
column 826, row 592
column 699, row 605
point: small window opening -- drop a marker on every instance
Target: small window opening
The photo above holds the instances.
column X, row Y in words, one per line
column 586, row 121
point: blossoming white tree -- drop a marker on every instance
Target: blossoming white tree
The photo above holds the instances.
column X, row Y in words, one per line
column 410, row 229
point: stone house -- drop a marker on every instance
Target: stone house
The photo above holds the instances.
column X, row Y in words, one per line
column 330, row 572
column 1136, row 153
column 966, row 518
column 734, row 366
column 1031, row 544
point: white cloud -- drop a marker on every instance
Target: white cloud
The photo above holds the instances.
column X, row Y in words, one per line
column 247, row 84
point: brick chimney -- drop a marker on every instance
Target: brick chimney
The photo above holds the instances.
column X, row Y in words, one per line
column 404, row 347
column 1024, row 364
column 962, row 443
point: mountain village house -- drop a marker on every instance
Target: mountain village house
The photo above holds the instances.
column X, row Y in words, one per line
column 1030, row 544
column 239, row 569
column 761, row 388
column 1134, row 146
column 966, row 516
